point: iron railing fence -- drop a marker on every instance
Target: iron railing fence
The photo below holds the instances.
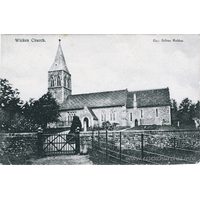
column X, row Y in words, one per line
column 146, row 147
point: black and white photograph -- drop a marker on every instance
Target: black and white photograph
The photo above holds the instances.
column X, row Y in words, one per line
column 108, row 99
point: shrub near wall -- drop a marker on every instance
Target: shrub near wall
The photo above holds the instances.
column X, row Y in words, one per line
column 17, row 148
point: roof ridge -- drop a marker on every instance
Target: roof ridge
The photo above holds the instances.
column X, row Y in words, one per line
column 150, row 89
column 98, row 92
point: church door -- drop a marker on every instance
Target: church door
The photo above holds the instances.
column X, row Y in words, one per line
column 85, row 123
column 136, row 123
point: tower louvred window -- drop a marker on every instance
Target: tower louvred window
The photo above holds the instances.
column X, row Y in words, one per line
column 58, row 81
column 52, row 81
column 68, row 83
column 65, row 81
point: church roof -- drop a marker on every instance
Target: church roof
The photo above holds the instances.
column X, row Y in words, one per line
column 95, row 100
column 149, row 98
column 59, row 62
column 144, row 98
column 92, row 113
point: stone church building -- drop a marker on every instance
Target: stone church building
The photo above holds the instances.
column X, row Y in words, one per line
column 126, row 108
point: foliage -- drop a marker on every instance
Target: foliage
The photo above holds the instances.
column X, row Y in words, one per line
column 76, row 124
column 174, row 112
column 16, row 117
column 197, row 110
column 107, row 125
column 42, row 111
column 9, row 97
column 186, row 112
column 196, row 117
column 10, row 105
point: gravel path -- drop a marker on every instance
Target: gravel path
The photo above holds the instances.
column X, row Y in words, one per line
column 62, row 160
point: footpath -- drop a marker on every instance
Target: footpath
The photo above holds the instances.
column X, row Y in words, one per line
column 62, row 160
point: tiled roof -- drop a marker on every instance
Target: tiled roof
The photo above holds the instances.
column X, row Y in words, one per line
column 95, row 100
column 92, row 113
column 149, row 98
column 144, row 98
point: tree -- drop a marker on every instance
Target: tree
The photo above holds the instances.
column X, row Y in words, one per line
column 197, row 110
column 174, row 112
column 9, row 97
column 186, row 112
column 196, row 117
column 76, row 123
column 42, row 111
column 16, row 117
column 10, row 105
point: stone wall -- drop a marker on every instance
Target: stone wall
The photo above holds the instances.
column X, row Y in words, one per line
column 149, row 116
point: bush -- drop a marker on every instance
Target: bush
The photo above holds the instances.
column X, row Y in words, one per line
column 107, row 126
column 76, row 124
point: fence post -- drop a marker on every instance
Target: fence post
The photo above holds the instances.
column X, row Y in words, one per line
column 174, row 142
column 106, row 144
column 142, row 138
column 39, row 142
column 92, row 139
column 120, row 147
column 98, row 141
column 77, row 136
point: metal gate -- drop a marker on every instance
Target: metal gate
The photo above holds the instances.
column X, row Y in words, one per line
column 59, row 144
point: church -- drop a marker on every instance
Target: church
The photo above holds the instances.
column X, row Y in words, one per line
column 122, row 107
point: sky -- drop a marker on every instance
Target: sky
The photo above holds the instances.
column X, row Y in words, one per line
column 104, row 63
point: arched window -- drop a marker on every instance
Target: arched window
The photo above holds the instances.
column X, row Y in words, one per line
column 58, row 81
column 103, row 115
column 52, row 81
column 70, row 116
column 68, row 82
column 65, row 81
column 112, row 115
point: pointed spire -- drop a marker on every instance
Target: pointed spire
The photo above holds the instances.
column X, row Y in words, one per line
column 59, row 62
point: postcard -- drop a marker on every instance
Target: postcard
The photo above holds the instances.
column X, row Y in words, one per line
column 99, row 99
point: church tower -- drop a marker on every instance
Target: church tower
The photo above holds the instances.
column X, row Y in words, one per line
column 59, row 78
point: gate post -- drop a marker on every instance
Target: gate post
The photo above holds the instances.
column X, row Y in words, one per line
column 92, row 139
column 174, row 142
column 142, row 149
column 98, row 142
column 120, row 147
column 39, row 143
column 77, row 136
